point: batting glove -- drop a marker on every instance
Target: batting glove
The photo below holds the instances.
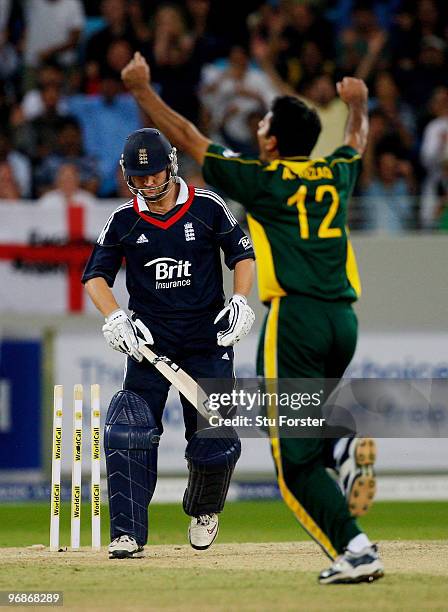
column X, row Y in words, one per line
column 121, row 335
column 143, row 333
column 241, row 318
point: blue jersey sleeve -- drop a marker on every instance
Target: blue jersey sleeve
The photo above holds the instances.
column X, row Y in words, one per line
column 106, row 257
column 231, row 238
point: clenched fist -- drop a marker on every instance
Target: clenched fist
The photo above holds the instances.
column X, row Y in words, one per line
column 136, row 75
column 352, row 91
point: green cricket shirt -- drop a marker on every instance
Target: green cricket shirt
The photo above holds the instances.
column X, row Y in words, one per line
column 297, row 215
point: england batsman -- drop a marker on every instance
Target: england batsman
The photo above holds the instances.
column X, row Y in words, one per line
column 170, row 236
column 307, row 276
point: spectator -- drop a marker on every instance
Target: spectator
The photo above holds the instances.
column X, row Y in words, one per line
column 175, row 63
column 340, row 11
column 232, row 94
column 299, row 38
column 37, row 138
column 429, row 20
column 49, row 74
column 400, row 118
column 305, row 24
column 118, row 29
column 307, row 41
column 414, row 22
column 69, row 150
column 106, row 121
column 363, row 38
column 53, row 28
column 332, row 111
column 404, row 39
column 400, row 47
column 66, row 190
column 388, row 196
column 429, row 72
column 372, row 57
column 119, row 53
column 208, row 46
column 16, row 169
column 320, row 92
column 434, row 150
column 435, row 108
column 139, row 17
column 310, row 65
column 382, row 137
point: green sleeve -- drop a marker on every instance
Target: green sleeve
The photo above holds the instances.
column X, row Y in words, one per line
column 236, row 175
column 346, row 165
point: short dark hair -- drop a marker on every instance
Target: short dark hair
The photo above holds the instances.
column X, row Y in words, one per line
column 295, row 125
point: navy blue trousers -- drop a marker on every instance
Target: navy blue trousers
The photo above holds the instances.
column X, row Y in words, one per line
column 132, row 475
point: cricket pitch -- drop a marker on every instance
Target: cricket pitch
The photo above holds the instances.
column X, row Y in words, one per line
column 249, row 576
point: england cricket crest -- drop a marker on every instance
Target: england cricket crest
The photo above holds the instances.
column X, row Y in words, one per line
column 142, row 156
column 189, row 231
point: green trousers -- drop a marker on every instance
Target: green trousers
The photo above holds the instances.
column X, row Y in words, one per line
column 303, row 337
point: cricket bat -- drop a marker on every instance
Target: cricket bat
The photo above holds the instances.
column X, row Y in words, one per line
column 183, row 382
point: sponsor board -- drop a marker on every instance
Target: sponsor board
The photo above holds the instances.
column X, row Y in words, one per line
column 171, row 490
column 81, row 358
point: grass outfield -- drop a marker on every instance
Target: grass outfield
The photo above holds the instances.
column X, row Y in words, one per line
column 261, row 521
column 273, row 571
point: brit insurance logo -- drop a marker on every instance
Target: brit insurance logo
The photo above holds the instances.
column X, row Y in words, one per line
column 245, row 243
column 171, row 273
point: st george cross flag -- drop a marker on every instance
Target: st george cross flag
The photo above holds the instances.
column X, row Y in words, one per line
column 43, row 252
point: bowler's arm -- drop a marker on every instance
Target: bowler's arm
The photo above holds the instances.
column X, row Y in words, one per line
column 355, row 94
column 179, row 131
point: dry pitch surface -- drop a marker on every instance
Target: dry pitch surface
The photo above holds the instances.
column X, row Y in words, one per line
column 268, row 576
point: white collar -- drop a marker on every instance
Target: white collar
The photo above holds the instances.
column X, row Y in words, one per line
column 181, row 198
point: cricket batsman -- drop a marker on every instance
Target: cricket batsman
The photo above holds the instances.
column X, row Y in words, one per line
column 307, row 276
column 170, row 236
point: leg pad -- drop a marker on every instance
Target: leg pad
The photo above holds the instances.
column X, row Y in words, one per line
column 211, row 456
column 131, row 440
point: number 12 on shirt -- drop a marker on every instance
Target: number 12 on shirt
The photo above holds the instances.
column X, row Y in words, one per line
column 325, row 230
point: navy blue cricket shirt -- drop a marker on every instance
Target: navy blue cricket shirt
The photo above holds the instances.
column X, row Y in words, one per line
column 173, row 263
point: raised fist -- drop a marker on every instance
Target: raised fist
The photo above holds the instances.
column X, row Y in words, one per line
column 136, row 75
column 352, row 91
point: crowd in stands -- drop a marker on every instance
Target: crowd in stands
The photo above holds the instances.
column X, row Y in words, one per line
column 65, row 114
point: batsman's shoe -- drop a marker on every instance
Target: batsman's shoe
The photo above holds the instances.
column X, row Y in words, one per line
column 203, row 530
column 125, row 547
column 356, row 475
column 349, row 568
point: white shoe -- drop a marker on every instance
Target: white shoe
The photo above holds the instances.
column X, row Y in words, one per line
column 350, row 568
column 203, row 530
column 125, row 547
column 355, row 474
